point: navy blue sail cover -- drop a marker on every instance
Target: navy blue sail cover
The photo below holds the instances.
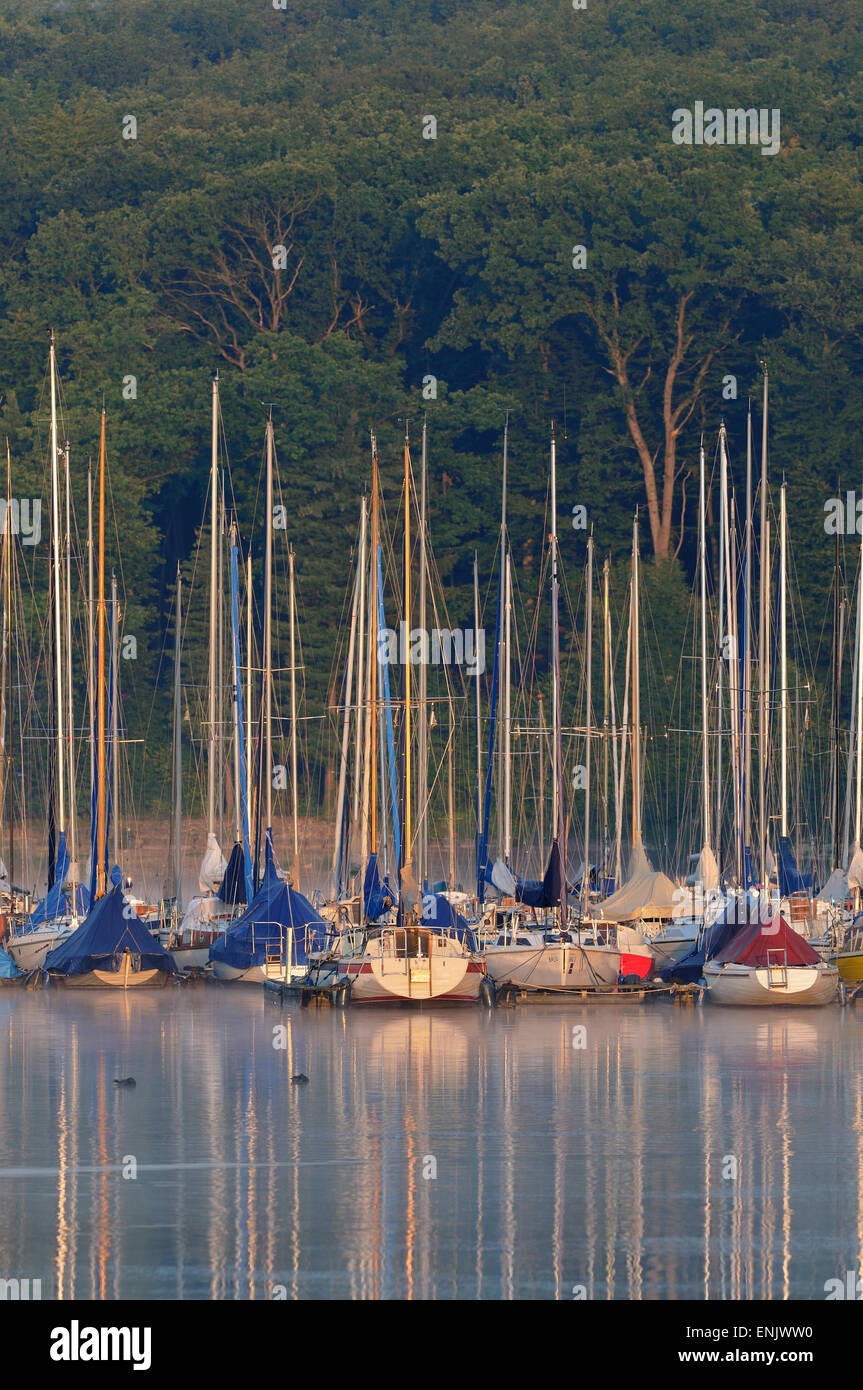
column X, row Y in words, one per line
column 109, row 929
column 440, row 915
column 275, row 910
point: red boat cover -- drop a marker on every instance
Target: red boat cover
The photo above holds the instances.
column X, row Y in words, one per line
column 751, row 944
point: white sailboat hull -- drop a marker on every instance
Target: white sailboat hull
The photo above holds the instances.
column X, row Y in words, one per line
column 416, row 979
column 563, row 967
column 30, row 949
column 797, row 985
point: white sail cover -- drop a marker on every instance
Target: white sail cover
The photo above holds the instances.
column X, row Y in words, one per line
column 708, row 870
column 213, row 867
column 769, row 862
column 4, row 872
column 835, row 889
column 647, row 894
column 199, row 913
column 855, row 868
column 503, row 879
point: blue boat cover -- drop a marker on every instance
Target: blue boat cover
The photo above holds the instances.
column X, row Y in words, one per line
column 233, row 886
column 440, row 915
column 109, row 929
column 546, row 893
column 790, row 878
column 8, row 968
column 274, row 911
column 378, row 894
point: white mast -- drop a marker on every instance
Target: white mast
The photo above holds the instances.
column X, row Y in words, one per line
column 268, row 632
column 422, row 780
column 478, row 697
column 783, row 638
column 555, row 713
column 178, row 756
column 58, row 597
column 211, row 686
column 249, row 644
column 585, row 881
column 115, row 720
column 507, row 716
column 295, row 797
column 236, row 686
column 762, row 650
column 636, row 701
column 858, row 730
column 73, row 817
column 705, row 732
column 346, row 734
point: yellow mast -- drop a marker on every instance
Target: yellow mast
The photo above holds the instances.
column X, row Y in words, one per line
column 407, row 875
column 100, row 630
column 373, row 655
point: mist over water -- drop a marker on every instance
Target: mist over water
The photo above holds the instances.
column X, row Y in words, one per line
column 557, row 1167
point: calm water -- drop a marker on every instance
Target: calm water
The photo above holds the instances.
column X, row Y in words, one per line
column 556, row 1166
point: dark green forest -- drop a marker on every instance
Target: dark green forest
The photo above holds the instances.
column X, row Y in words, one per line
column 409, row 258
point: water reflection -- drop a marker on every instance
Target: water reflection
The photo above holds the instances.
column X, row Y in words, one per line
column 680, row 1153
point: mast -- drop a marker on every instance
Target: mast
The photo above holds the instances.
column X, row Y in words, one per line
column 477, row 689
column 705, row 732
column 5, row 674
column 214, row 633
column 178, row 754
column 606, row 686
column 58, row 597
column 73, row 812
column 762, row 650
column 361, row 720
column 585, row 879
column 503, row 788
column 507, row 719
column 858, row 807
column 838, row 615
column 339, row 847
column 729, row 550
column 407, row 873
column 295, row 875
column 422, row 781
column 373, row 658
column 636, row 694
column 559, row 821
column 249, row 644
column 101, row 635
column 783, row 638
column 717, row 822
column 268, row 632
column 451, row 878
column 746, row 731
column 115, row 720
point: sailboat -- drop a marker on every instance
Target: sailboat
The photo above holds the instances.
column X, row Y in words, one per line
column 767, row 962
column 112, row 948
column 428, row 953
column 62, row 908
column 560, row 956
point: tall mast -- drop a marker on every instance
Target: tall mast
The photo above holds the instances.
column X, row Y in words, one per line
column 178, row 754
column 408, row 846
column 115, row 719
column 762, row 649
column 422, row 780
column 295, row 800
column 58, row 597
column 858, row 806
column 783, row 638
column 705, row 732
column 503, row 745
column 606, row 688
column 717, row 823
column 268, row 632
column 339, row 846
column 451, row 876
column 588, row 682
column 5, row 674
column 236, row 674
column 91, row 619
column 728, row 531
column 73, row 813
column 374, row 657
column 507, row 717
column 101, row 636
column 478, row 692
column 838, row 615
column 249, row 644
column 360, row 815
column 636, row 694
column 746, row 756
column 214, row 633
column 560, row 822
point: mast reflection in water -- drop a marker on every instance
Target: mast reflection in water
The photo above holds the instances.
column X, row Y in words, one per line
column 681, row 1153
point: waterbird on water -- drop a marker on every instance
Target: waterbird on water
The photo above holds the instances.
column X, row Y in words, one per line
column 124, row 1081
column 300, row 1079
